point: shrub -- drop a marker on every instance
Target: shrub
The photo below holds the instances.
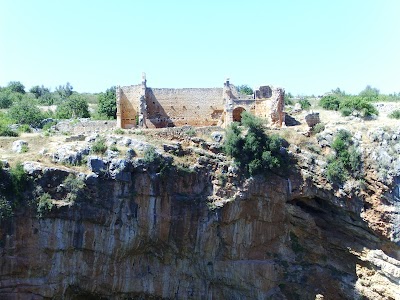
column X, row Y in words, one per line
column 19, row 179
column 45, row 203
column 318, row 128
column 107, row 103
column 156, row 161
column 6, row 131
column 75, row 106
column 346, row 160
column 74, row 186
column 190, row 132
column 151, row 155
column 359, row 104
column 305, row 104
column 245, row 89
column 99, row 146
column 330, row 102
column 114, row 148
column 24, row 128
column 395, row 114
column 7, row 98
column 25, row 111
column 119, row 131
column 6, row 210
column 255, row 152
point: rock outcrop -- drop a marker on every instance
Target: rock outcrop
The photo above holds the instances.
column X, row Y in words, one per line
column 133, row 230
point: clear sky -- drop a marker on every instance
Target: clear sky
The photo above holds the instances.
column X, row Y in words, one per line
column 307, row 47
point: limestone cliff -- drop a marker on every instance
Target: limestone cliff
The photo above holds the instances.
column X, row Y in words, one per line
column 188, row 234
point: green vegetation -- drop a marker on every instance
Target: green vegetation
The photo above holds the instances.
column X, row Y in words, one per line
column 74, row 187
column 245, row 89
column 156, row 161
column 358, row 105
column 107, row 103
column 6, row 210
column 119, row 131
column 25, row 112
column 346, row 161
column 288, row 99
column 254, row 152
column 44, row 204
column 75, row 106
column 24, row 128
column 64, row 91
column 19, row 179
column 99, row 146
column 318, row 128
column 190, row 132
column 305, row 104
column 395, row 114
column 330, row 102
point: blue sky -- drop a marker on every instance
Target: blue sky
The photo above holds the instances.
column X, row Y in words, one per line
column 307, row 47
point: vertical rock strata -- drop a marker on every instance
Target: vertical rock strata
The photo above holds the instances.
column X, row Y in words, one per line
column 157, row 237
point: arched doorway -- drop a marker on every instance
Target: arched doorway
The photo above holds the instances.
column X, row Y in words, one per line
column 237, row 114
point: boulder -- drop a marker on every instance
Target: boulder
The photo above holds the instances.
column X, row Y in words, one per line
column 19, row 145
column 96, row 164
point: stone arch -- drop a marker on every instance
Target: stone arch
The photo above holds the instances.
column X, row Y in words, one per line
column 237, row 114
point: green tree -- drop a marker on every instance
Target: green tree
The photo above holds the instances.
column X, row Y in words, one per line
column 7, row 98
column 107, row 103
column 39, row 91
column 369, row 93
column 64, row 90
column 330, row 102
column 361, row 105
column 75, row 106
column 255, row 152
column 25, row 111
column 305, row 103
column 16, row 87
column 245, row 89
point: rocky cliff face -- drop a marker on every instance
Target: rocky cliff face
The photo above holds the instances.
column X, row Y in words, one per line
column 188, row 235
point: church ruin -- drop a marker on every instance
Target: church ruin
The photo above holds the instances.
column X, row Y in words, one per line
column 146, row 107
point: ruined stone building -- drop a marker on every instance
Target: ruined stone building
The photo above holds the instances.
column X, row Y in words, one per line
column 142, row 106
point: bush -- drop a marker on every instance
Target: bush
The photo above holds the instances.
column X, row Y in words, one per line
column 19, row 179
column 346, row 160
column 353, row 104
column 7, row 98
column 45, row 203
column 305, row 104
column 395, row 114
column 330, row 102
column 26, row 112
column 255, row 152
column 119, row 131
column 75, row 106
column 151, row 155
column 6, row 210
column 16, row 87
column 107, row 103
column 24, row 128
column 6, row 131
column 99, row 146
column 74, row 186
column 245, row 89
column 318, row 128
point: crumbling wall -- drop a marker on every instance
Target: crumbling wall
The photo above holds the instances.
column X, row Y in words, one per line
column 188, row 106
column 129, row 105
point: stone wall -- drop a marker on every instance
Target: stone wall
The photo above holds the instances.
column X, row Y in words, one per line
column 129, row 105
column 189, row 106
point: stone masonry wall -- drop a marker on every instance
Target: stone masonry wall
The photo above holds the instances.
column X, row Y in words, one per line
column 188, row 106
column 130, row 97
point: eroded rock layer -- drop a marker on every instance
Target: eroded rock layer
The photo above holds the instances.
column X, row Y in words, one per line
column 187, row 235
